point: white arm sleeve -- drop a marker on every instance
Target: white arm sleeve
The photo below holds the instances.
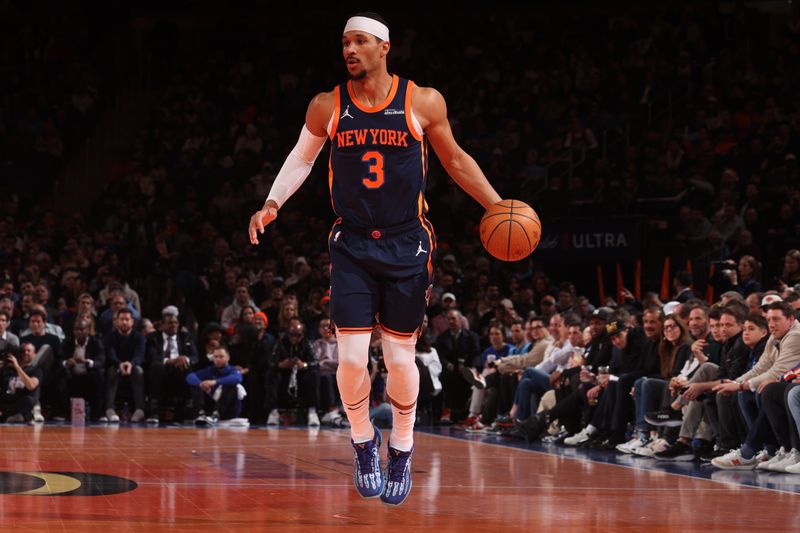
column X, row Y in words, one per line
column 297, row 166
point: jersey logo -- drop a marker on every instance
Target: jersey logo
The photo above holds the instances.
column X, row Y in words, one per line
column 394, row 112
column 420, row 250
column 346, row 113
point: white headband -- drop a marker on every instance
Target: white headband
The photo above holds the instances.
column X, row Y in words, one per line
column 378, row 29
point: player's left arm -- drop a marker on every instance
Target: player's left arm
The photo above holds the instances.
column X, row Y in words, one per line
column 431, row 111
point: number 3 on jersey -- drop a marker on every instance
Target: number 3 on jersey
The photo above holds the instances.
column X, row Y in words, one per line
column 375, row 168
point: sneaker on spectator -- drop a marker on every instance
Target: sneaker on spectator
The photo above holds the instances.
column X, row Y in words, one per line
column 111, row 416
column 59, row 419
column 717, row 452
column 152, row 420
column 313, row 418
column 666, row 417
column 677, row 452
column 398, row 477
column 201, row 420
column 503, row 421
column 468, row 422
column 631, row 445
column 274, row 418
column 367, row 474
column 476, row 426
column 137, row 416
column 579, row 438
column 330, row 416
column 653, row 447
column 733, row 460
column 473, row 377
column 763, row 456
column 558, row 437
column 792, row 469
column 15, row 419
column 445, row 418
column 37, row 414
column 779, row 456
column 790, row 458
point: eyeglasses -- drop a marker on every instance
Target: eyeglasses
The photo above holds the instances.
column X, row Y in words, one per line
column 670, row 326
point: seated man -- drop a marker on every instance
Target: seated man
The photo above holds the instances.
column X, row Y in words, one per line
column 216, row 385
column 80, row 371
column 293, row 374
column 125, row 350
column 19, row 381
column 171, row 355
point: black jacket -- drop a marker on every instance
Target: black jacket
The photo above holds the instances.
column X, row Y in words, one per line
column 94, row 351
column 466, row 347
column 186, row 346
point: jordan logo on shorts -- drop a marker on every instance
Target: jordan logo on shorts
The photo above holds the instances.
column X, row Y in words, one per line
column 420, row 250
column 346, row 113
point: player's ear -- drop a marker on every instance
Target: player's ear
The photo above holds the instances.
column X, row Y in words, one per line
column 385, row 46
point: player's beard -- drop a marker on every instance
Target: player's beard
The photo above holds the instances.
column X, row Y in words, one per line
column 360, row 75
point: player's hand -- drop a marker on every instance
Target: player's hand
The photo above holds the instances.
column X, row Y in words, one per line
column 262, row 218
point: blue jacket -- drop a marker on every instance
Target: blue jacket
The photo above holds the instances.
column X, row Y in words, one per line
column 226, row 376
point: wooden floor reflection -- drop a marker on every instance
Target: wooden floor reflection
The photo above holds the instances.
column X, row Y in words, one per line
column 142, row 479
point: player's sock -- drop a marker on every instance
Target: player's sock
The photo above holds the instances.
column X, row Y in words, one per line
column 354, row 383
column 402, row 388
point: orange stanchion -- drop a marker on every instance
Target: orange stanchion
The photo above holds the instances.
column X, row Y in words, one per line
column 620, row 285
column 600, row 289
column 637, row 280
column 689, row 266
column 665, row 281
column 710, row 285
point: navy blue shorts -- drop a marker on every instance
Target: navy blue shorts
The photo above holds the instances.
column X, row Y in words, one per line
column 381, row 275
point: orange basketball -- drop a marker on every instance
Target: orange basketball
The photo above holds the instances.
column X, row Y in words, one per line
column 510, row 230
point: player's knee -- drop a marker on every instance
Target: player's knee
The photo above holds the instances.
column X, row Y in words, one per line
column 401, row 365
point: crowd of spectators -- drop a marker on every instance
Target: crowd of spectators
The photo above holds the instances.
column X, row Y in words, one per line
column 155, row 300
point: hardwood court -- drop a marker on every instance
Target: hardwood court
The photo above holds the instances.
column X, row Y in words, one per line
column 175, row 479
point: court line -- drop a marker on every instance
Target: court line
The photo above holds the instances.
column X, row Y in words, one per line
column 588, row 460
column 549, row 488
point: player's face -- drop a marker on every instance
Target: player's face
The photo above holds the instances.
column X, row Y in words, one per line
column 361, row 53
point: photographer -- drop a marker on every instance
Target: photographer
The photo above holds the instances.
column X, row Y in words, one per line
column 19, row 380
column 742, row 278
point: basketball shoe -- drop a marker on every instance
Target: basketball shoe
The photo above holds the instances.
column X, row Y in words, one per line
column 398, row 473
column 367, row 474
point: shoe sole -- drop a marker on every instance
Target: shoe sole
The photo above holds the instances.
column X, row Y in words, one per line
column 678, row 459
column 739, row 467
column 390, row 504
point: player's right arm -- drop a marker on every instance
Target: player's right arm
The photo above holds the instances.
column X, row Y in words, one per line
column 298, row 163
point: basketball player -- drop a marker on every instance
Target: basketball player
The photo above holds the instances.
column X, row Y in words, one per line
column 382, row 244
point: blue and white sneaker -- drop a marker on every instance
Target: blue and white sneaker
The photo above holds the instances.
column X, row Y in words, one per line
column 367, row 474
column 398, row 474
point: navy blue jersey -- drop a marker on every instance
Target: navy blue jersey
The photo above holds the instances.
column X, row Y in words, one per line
column 378, row 161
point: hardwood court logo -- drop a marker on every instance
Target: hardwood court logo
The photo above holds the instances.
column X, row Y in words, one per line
column 63, row 484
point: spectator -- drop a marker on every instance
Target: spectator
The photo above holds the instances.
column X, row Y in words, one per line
column 458, row 348
column 293, row 376
column 125, row 356
column 439, row 323
column 216, row 386
column 326, row 353
column 170, row 355
column 6, row 337
column 80, row 372
column 19, row 380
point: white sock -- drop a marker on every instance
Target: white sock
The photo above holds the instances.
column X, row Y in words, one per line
column 402, row 388
column 354, row 384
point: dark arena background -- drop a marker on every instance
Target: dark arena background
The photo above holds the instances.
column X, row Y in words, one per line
column 636, row 372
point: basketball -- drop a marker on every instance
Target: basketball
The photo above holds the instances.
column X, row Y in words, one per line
column 510, row 230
